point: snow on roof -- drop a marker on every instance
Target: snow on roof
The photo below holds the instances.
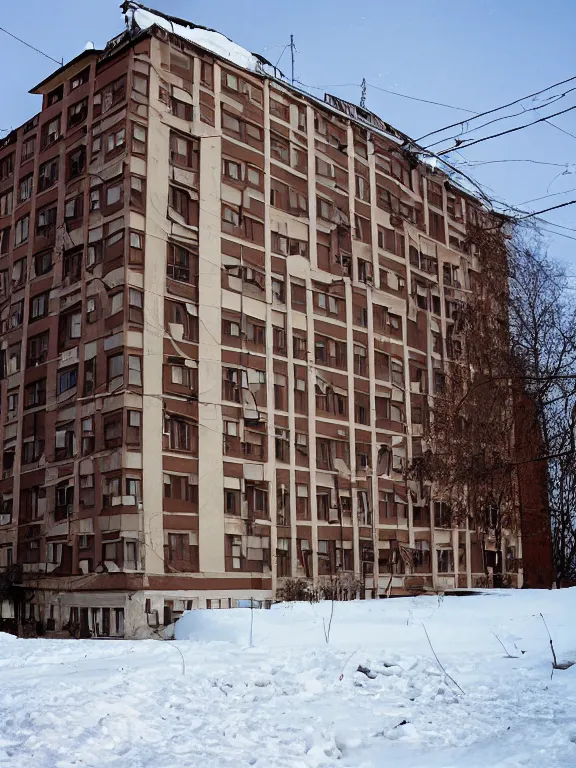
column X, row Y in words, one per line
column 209, row 39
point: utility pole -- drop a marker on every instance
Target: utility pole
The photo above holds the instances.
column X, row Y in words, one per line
column 363, row 96
column 292, row 49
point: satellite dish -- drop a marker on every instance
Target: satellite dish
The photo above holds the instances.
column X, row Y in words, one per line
column 89, row 46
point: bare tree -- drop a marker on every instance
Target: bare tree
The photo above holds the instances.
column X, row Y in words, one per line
column 543, row 328
column 508, row 398
column 471, row 458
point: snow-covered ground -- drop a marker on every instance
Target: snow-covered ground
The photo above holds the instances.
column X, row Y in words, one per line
column 293, row 700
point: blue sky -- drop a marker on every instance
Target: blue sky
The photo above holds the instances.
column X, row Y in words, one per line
column 472, row 55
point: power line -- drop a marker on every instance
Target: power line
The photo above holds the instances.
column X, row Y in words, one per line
column 384, row 90
column 424, row 101
column 503, row 133
column 477, row 163
column 545, row 210
column 573, row 135
column 560, row 234
column 329, row 85
column 60, row 63
column 497, row 109
column 551, row 101
column 553, row 194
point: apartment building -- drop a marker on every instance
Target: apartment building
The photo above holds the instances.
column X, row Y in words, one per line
column 225, row 307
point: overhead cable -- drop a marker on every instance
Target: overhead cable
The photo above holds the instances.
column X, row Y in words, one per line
column 424, row 101
column 60, row 63
column 464, row 145
column 504, row 117
column 497, row 109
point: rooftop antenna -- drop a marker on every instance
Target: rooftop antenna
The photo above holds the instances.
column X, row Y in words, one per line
column 363, row 96
column 292, row 50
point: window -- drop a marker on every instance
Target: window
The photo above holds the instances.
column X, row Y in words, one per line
column 230, row 123
column 231, row 215
column 113, row 430
column 181, row 203
column 232, row 502
column 435, row 196
column 114, row 193
column 179, row 487
column 134, row 426
column 362, row 229
column 253, row 176
column 257, row 500
column 288, row 246
column 140, row 84
column 38, row 349
column 88, row 435
column 56, row 95
column 67, row 380
column 32, row 450
column 397, row 369
column 45, row 221
column 137, row 186
column 73, row 208
column 360, row 360
column 6, row 166
column 6, row 201
column 206, row 73
column 115, row 371
column 179, row 434
column 279, row 110
column 65, row 442
column 179, row 108
column 14, row 358
column 18, row 273
column 77, row 113
column 325, row 209
column 256, row 333
column 43, row 263
column 278, row 290
column 138, row 139
column 47, row 174
column 230, row 328
column 436, row 226
column 89, row 376
column 28, row 148
column 362, row 188
column 179, row 261
column 184, row 151
column 39, row 306
column 116, row 140
column 279, row 148
column 364, row 271
column 50, row 132
column 80, row 79
column 16, row 314
column 135, row 305
column 95, row 199
column 324, row 168
column 445, row 560
column 134, row 489
column 21, row 230
column 232, row 169
column 4, row 240
column 71, row 325
column 35, row 393
column 135, row 370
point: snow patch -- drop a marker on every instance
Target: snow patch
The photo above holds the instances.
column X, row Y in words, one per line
column 211, row 40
